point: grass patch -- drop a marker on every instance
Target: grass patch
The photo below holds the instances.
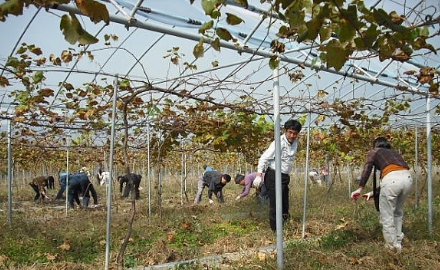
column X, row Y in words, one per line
column 339, row 234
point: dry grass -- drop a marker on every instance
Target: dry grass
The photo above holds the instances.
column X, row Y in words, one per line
column 340, row 233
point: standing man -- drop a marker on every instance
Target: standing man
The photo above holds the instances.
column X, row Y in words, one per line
column 266, row 164
column 215, row 181
column 395, row 186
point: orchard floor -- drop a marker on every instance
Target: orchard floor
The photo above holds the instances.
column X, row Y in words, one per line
column 338, row 233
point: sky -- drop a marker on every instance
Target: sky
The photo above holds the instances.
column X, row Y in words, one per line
column 239, row 73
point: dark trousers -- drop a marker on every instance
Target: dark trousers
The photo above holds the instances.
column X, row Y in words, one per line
column 37, row 191
column 130, row 188
column 269, row 181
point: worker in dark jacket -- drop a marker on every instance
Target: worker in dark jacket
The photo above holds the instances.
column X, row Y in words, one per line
column 215, row 181
column 130, row 185
column 80, row 185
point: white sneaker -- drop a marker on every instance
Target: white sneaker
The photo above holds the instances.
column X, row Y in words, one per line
column 397, row 248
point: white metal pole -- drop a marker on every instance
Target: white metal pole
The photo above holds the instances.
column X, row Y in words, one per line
column 10, row 171
column 67, row 172
column 182, row 188
column 429, row 165
column 110, row 184
column 278, row 191
column 149, row 169
column 416, row 168
column 306, row 175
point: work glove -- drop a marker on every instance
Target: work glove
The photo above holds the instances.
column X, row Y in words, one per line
column 368, row 195
column 211, row 201
column 238, row 197
column 355, row 194
column 257, row 182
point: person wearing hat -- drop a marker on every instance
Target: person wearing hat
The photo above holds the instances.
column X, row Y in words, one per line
column 215, row 181
column 249, row 182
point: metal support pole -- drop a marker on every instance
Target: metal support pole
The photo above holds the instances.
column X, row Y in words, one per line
column 429, row 165
column 306, row 175
column 416, row 168
column 67, row 172
column 278, row 191
column 110, row 184
column 10, row 171
column 149, row 168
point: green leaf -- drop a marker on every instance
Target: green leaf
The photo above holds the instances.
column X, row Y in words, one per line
column 208, row 6
column 216, row 44
column 274, row 62
column 243, row 3
column 198, row 50
column 38, row 76
column 12, row 62
column 347, row 24
column 73, row 31
column 302, row 36
column 233, row 19
column 313, row 28
column 295, row 17
column 325, row 33
column 337, row 55
column 223, row 34
column 382, row 18
column 14, row 7
column 206, row 26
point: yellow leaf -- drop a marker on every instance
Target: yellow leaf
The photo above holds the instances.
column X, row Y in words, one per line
column 262, row 256
column 65, row 246
column 14, row 7
column 51, row 257
column 94, row 10
column 341, row 226
column 4, row 81
column 198, row 50
column 171, row 235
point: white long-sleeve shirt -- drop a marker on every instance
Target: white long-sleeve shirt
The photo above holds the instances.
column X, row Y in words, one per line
column 288, row 152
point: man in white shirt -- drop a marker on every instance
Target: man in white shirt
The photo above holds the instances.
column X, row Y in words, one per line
column 266, row 165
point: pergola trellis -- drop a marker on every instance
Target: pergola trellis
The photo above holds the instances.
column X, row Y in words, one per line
column 248, row 65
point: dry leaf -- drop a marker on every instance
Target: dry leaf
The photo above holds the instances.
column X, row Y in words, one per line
column 341, row 226
column 50, row 257
column 261, row 256
column 66, row 245
column 3, row 259
column 171, row 235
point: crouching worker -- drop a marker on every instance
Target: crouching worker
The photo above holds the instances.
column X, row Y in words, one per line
column 63, row 183
column 215, row 181
column 79, row 184
column 39, row 184
column 248, row 183
column 132, row 182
